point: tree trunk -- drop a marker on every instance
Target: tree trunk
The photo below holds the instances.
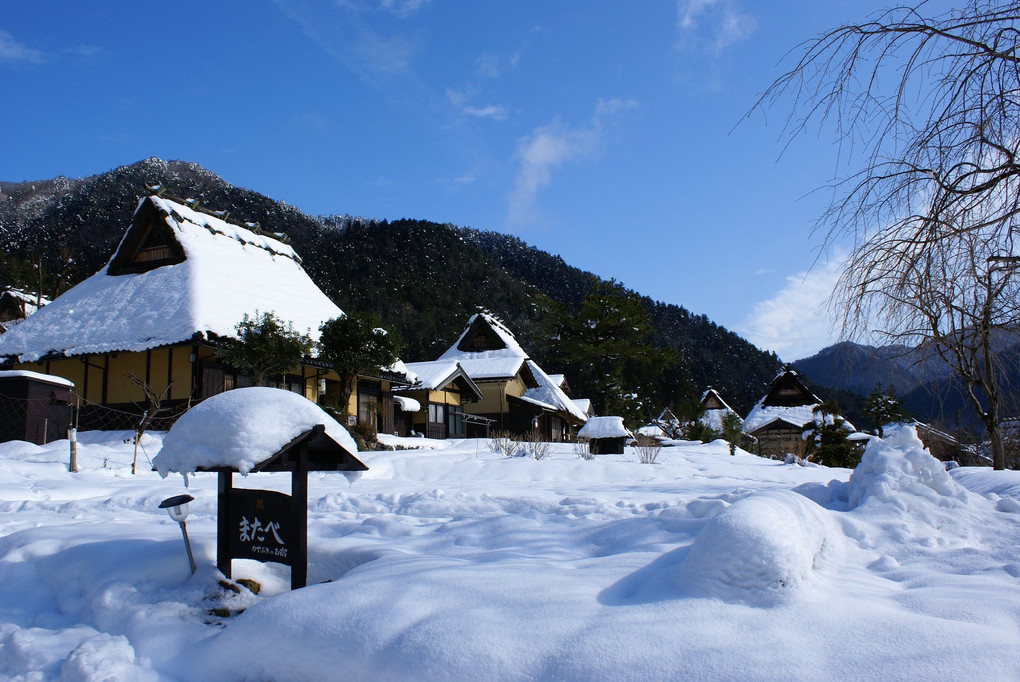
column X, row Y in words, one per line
column 998, row 448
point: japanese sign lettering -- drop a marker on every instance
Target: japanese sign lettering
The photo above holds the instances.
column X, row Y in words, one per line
column 261, row 525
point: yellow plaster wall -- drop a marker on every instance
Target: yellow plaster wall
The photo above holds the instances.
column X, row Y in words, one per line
column 71, row 369
column 494, row 395
column 119, row 388
column 182, row 373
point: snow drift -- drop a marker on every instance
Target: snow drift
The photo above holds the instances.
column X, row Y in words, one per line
column 760, row 551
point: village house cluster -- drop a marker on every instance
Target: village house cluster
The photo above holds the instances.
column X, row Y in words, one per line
column 182, row 279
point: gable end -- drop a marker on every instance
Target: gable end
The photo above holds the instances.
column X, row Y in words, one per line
column 149, row 243
column 480, row 337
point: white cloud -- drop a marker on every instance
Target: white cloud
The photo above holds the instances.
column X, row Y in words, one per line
column 553, row 145
column 12, row 51
column 715, row 23
column 795, row 323
column 492, row 111
column 347, row 32
column 403, row 8
column 494, row 66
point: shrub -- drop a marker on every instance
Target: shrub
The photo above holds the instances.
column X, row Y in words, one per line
column 583, row 451
column 505, row 443
column 536, row 445
column 648, row 449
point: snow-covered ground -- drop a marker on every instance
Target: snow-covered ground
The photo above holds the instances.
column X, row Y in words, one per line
column 455, row 563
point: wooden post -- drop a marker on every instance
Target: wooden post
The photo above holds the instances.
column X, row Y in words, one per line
column 223, row 522
column 299, row 500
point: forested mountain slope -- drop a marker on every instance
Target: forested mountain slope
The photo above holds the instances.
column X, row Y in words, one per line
column 423, row 278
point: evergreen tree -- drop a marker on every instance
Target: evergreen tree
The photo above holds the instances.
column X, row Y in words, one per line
column 355, row 344
column 883, row 408
column 608, row 342
column 265, row 346
column 832, row 447
column 732, row 430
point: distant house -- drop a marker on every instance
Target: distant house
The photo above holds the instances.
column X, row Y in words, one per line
column 584, row 405
column 778, row 421
column 16, row 305
column 176, row 287
column 715, row 408
column 516, row 394
column 435, row 401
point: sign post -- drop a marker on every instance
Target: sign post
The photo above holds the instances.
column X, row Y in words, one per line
column 265, row 525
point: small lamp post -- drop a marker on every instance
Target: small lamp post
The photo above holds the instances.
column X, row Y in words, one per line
column 177, row 508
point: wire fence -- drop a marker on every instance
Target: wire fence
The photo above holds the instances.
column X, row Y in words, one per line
column 54, row 424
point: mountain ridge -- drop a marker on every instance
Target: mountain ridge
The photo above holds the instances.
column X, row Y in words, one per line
column 423, row 278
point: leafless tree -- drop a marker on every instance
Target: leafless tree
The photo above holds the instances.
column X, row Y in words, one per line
column 153, row 408
column 926, row 109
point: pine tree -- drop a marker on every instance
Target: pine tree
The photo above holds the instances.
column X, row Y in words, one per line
column 356, row 344
column 883, row 408
column 608, row 341
column 732, row 430
column 832, row 447
column 265, row 345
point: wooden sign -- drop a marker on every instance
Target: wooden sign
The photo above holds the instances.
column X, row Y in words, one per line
column 262, row 527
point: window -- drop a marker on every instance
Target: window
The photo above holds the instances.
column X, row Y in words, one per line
column 455, row 420
column 435, row 413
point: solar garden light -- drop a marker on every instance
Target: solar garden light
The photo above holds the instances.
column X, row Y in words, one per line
column 177, row 508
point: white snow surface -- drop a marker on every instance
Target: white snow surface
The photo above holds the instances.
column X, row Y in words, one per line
column 241, row 429
column 229, row 272
column 457, row 563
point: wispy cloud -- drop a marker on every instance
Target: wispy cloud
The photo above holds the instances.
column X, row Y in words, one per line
column 716, row 24
column 795, row 322
column 12, row 51
column 492, row 111
column 348, row 32
column 551, row 146
column 403, row 8
column 494, row 66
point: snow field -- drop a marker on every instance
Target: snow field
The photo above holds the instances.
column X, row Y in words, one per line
column 456, row 563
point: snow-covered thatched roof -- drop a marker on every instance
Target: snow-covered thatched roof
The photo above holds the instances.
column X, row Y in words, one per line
column 788, row 400
column 604, row 427
column 715, row 409
column 210, row 275
column 486, row 349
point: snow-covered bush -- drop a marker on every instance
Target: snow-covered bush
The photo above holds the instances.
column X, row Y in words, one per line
column 648, row 449
column 583, row 449
column 505, row 443
column 535, row 445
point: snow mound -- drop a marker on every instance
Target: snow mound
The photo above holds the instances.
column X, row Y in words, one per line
column 760, row 551
column 241, row 428
column 898, row 470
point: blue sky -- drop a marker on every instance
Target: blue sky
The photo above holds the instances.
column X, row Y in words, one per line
column 605, row 132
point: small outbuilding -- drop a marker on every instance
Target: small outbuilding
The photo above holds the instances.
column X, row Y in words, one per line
column 605, row 435
column 34, row 407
